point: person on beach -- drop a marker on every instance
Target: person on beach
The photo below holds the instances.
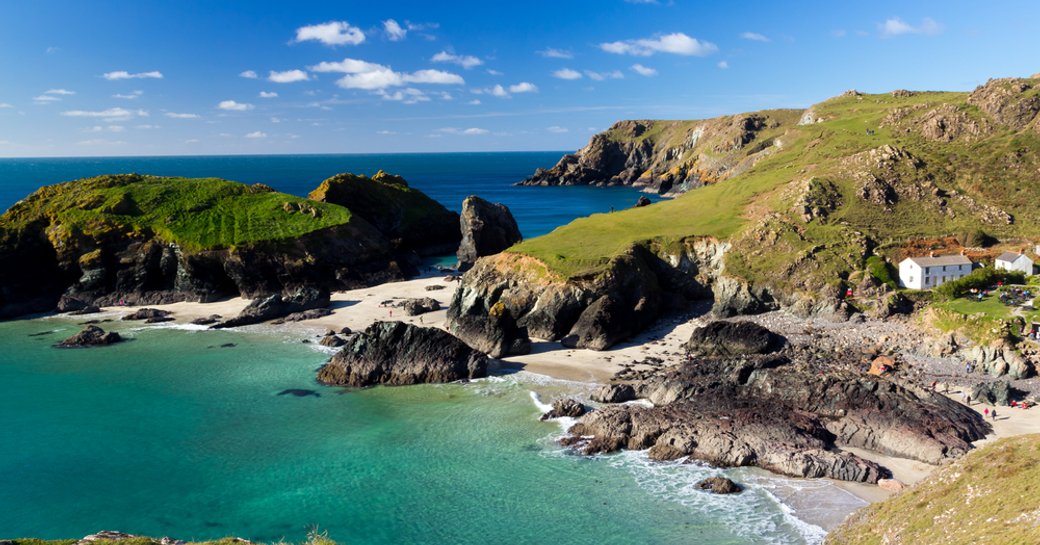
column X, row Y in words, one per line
column 985, row 412
column 993, row 414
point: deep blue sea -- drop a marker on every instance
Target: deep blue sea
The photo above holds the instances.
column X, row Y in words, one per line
column 171, row 434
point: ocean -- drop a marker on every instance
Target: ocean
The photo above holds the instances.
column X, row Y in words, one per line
column 187, row 432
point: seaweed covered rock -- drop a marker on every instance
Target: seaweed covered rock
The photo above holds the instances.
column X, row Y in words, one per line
column 723, row 338
column 565, row 407
column 278, row 305
column 91, row 335
column 487, row 229
column 719, row 485
column 396, row 353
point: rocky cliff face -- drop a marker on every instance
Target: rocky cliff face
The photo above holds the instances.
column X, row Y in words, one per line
column 148, row 240
column 671, row 157
column 487, row 229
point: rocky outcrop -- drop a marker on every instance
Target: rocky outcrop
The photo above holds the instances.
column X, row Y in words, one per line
column 310, row 314
column 410, row 219
column 278, row 305
column 722, row 338
column 395, row 353
column 565, row 408
column 719, row 485
column 670, row 157
column 417, row 306
column 149, row 315
column 614, row 393
column 487, row 229
column 994, row 393
column 91, row 335
column 1000, row 360
column 789, row 411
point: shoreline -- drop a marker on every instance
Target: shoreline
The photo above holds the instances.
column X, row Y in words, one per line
column 359, row 308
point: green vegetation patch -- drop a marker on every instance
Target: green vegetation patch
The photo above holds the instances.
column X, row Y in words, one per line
column 992, row 495
column 195, row 213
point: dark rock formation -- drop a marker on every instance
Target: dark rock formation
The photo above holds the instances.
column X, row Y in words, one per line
column 332, row 341
column 89, row 309
column 994, row 393
column 643, row 201
column 299, row 392
column 277, row 305
column 789, row 412
column 150, row 315
column 487, row 229
column 406, row 216
column 396, row 353
column 415, row 307
column 565, row 407
column 91, row 335
column 491, row 329
column 207, row 320
column 614, row 393
column 719, row 485
column 732, row 339
column 310, row 314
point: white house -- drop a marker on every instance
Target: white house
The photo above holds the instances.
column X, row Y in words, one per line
column 925, row 273
column 1011, row 261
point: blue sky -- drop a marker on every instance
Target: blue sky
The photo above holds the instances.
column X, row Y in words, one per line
column 160, row 78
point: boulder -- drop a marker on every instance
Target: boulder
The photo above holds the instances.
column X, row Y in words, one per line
column 89, row 309
column 332, row 341
column 395, row 353
column 891, row 485
column 311, row 314
column 719, row 485
column 207, row 320
column 565, row 407
column 643, row 201
column 732, row 339
column 277, row 305
column 495, row 333
column 487, row 229
column 614, row 393
column 415, row 307
column 994, row 393
column 91, row 335
column 345, row 331
column 149, row 315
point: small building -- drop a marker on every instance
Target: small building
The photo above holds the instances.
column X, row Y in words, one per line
column 925, row 273
column 1011, row 261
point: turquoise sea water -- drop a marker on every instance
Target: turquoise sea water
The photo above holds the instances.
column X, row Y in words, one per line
column 447, row 177
column 170, row 434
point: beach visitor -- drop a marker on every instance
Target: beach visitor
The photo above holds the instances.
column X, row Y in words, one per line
column 993, row 414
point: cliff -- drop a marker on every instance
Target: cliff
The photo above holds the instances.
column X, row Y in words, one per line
column 147, row 239
column 987, row 496
column 799, row 204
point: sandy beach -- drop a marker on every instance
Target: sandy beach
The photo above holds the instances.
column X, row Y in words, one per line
column 661, row 345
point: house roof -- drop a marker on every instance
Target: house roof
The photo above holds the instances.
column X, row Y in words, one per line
column 1010, row 257
column 927, row 261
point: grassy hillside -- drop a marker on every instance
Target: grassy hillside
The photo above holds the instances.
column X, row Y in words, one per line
column 990, row 496
column 858, row 175
column 197, row 214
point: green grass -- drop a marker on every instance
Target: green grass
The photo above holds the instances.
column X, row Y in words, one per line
column 197, row 214
column 774, row 245
column 992, row 495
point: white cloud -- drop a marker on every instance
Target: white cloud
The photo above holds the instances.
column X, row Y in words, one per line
column 386, row 132
column 474, row 102
column 46, row 99
column 123, row 74
column 63, row 92
column 100, row 142
column 567, row 73
column 472, row 131
column 147, row 127
column 600, row 76
column 266, row 94
column 129, row 96
column 409, row 95
column 723, row 65
column 257, row 134
column 5, row 105
column 553, row 53
column 175, row 115
column 108, row 128
column 494, row 72
column 754, row 36
column 523, row 87
column 839, row 33
column 288, row 76
column 248, row 74
column 557, row 129
column 676, row 43
column 233, row 106
column 898, row 27
column 331, row 33
column 643, row 70
column 110, row 115
column 370, row 76
column 394, row 31
column 465, row 61
column 498, row 91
